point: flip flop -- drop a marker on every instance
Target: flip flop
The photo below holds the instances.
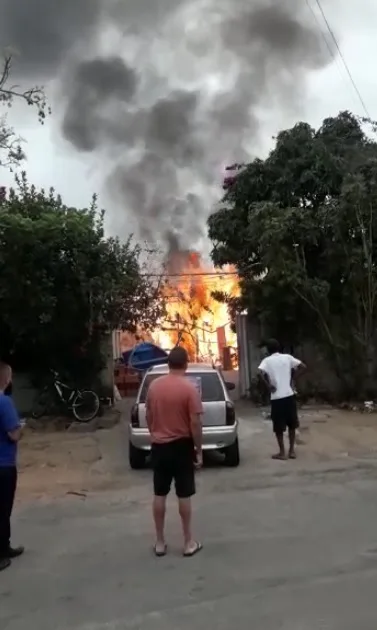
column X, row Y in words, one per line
column 292, row 456
column 198, row 547
column 160, row 553
column 279, row 457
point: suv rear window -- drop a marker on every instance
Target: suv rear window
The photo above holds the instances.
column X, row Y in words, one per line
column 212, row 389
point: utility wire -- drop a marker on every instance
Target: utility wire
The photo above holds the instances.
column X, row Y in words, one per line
column 342, row 57
column 329, row 48
column 209, row 274
column 190, row 275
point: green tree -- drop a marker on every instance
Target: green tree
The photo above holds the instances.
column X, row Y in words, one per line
column 63, row 284
column 11, row 151
column 301, row 228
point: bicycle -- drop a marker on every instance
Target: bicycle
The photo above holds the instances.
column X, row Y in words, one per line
column 72, row 399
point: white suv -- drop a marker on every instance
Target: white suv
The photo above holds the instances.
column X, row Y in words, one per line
column 220, row 425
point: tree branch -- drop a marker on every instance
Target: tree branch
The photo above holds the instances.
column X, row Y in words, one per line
column 11, row 153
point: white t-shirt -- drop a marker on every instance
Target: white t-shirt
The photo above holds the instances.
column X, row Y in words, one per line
column 278, row 368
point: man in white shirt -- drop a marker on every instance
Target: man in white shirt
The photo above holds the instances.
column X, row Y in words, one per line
column 276, row 370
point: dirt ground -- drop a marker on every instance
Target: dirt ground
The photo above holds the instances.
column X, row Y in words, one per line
column 54, row 464
column 61, row 462
column 331, row 433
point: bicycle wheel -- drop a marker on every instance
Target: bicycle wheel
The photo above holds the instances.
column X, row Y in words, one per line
column 85, row 405
column 42, row 404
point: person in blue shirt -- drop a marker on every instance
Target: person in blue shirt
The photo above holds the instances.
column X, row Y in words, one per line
column 10, row 433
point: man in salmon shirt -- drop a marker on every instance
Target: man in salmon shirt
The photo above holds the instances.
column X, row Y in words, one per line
column 174, row 411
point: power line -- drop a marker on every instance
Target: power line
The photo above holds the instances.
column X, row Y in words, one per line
column 331, row 51
column 329, row 47
column 342, row 57
column 209, row 274
column 190, row 275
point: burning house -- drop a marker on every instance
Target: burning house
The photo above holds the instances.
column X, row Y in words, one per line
column 195, row 319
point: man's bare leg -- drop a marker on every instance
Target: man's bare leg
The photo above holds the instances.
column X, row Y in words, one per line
column 292, row 443
column 185, row 512
column 280, row 441
column 159, row 511
column 191, row 546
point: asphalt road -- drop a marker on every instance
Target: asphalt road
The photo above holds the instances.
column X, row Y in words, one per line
column 286, row 547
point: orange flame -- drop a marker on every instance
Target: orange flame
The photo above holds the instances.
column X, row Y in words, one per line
column 195, row 319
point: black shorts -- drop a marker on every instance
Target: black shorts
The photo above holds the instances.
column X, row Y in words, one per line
column 284, row 414
column 174, row 461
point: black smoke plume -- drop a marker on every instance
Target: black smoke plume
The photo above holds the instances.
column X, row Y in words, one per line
column 178, row 92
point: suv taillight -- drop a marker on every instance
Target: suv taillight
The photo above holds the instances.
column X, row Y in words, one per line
column 230, row 414
column 135, row 416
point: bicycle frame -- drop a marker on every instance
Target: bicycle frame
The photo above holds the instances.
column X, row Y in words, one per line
column 60, row 388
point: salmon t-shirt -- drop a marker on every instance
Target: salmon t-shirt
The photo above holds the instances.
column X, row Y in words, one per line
column 170, row 401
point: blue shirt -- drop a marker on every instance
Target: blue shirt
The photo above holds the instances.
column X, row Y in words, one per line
column 9, row 421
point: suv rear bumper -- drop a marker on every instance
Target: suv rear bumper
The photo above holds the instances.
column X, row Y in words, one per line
column 214, row 438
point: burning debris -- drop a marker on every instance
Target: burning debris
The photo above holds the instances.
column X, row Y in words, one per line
column 195, row 319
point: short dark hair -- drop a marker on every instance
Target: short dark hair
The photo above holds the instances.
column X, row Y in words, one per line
column 178, row 358
column 272, row 346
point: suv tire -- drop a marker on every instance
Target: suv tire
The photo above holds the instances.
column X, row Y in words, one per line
column 136, row 457
column 232, row 454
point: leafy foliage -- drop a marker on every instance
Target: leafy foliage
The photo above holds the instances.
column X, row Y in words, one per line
column 11, row 152
column 63, row 284
column 301, row 228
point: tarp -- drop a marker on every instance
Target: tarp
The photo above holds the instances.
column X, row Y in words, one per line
column 144, row 356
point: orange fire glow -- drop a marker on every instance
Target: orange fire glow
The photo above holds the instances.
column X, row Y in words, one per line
column 195, row 319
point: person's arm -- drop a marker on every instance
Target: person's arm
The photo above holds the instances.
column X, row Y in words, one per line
column 263, row 375
column 196, row 429
column 297, row 366
column 10, row 420
column 148, row 409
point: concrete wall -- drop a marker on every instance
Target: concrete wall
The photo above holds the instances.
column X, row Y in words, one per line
column 320, row 380
column 244, row 355
column 249, row 353
column 106, row 377
column 24, row 393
